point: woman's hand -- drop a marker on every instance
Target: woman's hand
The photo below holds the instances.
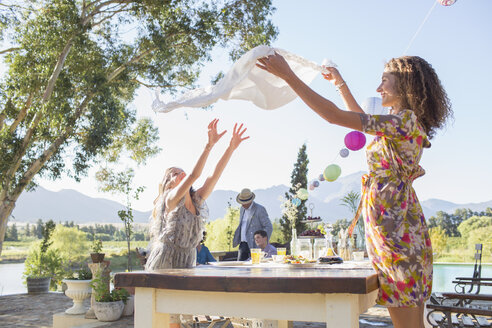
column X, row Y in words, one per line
column 213, row 135
column 275, row 64
column 333, row 75
column 237, row 136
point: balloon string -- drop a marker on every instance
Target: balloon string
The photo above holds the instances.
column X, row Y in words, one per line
column 420, row 27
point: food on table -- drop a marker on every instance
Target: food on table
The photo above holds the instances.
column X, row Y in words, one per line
column 330, row 259
column 312, row 232
column 291, row 259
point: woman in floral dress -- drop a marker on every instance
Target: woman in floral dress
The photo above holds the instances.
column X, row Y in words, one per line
column 398, row 241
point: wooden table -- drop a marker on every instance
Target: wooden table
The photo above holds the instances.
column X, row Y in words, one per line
column 324, row 293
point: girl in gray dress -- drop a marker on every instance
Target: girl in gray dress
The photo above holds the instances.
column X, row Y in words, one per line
column 179, row 211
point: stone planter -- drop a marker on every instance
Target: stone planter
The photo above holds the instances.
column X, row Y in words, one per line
column 78, row 291
column 38, row 285
column 108, row 311
column 129, row 306
column 97, row 257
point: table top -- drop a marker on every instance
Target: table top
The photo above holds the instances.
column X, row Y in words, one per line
column 321, row 278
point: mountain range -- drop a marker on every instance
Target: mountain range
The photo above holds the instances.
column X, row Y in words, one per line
column 324, row 201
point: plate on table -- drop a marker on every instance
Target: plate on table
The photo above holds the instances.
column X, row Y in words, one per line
column 227, row 263
column 311, row 221
column 301, row 265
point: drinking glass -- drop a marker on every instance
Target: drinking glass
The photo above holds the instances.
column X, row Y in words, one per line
column 281, row 251
column 255, row 255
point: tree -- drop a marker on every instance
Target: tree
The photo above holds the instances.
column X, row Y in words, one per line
column 28, row 230
column 231, row 215
column 451, row 222
column 446, row 221
column 439, row 240
column 351, row 200
column 39, row 229
column 73, row 68
column 218, row 238
column 298, row 179
column 70, row 243
column 14, row 234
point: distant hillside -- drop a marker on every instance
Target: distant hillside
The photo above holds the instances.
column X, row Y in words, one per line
column 70, row 205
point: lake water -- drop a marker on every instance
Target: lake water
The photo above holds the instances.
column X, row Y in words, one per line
column 11, row 277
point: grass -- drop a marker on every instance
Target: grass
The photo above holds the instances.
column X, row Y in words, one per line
column 16, row 252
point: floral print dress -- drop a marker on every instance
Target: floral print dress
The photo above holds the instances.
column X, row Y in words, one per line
column 398, row 241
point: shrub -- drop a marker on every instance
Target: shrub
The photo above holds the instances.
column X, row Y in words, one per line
column 96, row 246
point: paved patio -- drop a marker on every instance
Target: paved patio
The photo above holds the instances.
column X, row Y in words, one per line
column 23, row 310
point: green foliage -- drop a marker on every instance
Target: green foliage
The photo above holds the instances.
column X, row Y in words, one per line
column 47, row 231
column 450, row 222
column 218, row 236
column 231, row 214
column 298, row 180
column 73, row 71
column 100, row 285
column 477, row 230
column 47, row 264
column 122, row 182
column 352, row 200
column 81, row 274
column 12, row 234
column 277, row 235
column 96, row 246
column 70, row 243
column 439, row 240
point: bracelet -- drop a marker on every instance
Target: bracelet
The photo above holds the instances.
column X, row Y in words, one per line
column 339, row 85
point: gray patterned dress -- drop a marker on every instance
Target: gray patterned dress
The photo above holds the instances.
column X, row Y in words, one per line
column 175, row 235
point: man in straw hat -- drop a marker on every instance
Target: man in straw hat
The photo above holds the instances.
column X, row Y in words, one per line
column 253, row 217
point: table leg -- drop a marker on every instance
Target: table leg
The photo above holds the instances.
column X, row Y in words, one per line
column 285, row 324
column 343, row 310
column 145, row 313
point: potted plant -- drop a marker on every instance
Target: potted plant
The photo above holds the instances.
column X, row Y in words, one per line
column 42, row 264
column 78, row 289
column 96, row 255
column 108, row 306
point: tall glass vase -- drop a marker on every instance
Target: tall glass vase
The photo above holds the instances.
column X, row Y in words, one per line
column 293, row 243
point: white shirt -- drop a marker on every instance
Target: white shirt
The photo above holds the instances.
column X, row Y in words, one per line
column 244, row 224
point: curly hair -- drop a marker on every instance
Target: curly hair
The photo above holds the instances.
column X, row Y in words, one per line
column 421, row 90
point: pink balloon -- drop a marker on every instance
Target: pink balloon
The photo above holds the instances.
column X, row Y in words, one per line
column 355, row 140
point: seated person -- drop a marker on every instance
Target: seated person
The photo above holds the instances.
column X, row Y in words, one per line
column 261, row 239
column 203, row 255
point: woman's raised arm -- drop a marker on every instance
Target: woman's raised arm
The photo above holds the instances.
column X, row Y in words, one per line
column 209, row 185
column 335, row 77
column 277, row 65
column 177, row 193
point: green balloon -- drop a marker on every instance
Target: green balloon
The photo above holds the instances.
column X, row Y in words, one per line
column 303, row 194
column 332, row 172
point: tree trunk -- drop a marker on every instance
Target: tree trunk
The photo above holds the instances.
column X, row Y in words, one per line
column 6, row 208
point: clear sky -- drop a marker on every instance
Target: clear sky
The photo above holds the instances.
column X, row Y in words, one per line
column 359, row 36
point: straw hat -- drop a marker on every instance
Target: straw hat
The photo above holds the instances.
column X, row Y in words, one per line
column 245, row 196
